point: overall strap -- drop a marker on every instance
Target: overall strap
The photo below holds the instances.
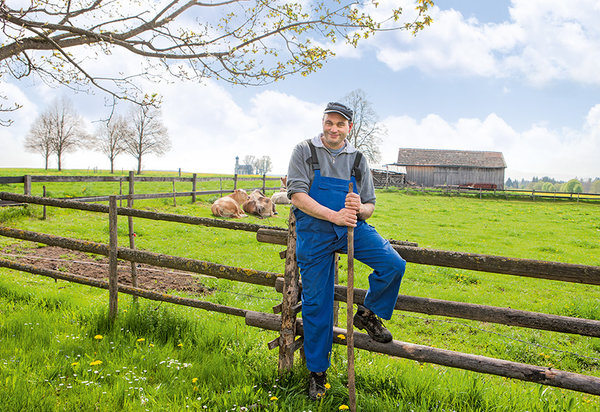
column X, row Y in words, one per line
column 355, row 168
column 314, row 161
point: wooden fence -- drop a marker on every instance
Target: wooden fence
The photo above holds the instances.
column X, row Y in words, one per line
column 130, row 179
column 506, row 193
column 291, row 329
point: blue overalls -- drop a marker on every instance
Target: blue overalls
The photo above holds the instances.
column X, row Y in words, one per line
column 317, row 242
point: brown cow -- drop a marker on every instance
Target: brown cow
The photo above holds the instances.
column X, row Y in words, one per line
column 259, row 205
column 281, row 198
column 229, row 206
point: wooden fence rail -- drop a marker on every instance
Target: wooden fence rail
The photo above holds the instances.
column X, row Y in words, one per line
column 27, row 180
column 566, row 272
column 543, row 375
column 476, row 363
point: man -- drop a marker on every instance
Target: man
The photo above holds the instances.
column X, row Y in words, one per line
column 319, row 172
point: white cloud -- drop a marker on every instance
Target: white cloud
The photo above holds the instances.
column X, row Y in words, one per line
column 543, row 41
column 537, row 151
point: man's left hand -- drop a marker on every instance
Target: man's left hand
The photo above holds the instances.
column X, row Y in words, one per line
column 353, row 202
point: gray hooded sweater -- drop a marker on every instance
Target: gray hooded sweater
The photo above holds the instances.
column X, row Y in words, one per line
column 300, row 173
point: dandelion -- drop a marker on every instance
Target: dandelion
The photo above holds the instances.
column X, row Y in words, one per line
column 96, row 363
column 140, row 340
column 151, row 345
column 98, row 337
column 273, row 398
column 180, row 345
column 194, row 380
column 75, row 364
column 341, row 336
column 327, row 386
column 343, row 408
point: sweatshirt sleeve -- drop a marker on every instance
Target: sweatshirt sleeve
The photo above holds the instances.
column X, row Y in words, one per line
column 299, row 171
column 366, row 189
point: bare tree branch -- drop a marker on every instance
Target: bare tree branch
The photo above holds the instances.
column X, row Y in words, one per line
column 248, row 42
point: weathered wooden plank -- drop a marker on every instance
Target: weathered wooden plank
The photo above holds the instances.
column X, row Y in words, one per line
column 278, row 237
column 475, row 363
column 253, row 276
column 289, row 301
column 144, row 293
column 5, row 180
column 113, row 288
column 566, row 272
column 483, row 313
column 145, row 214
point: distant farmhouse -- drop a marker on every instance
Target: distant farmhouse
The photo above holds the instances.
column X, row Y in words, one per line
column 242, row 169
column 431, row 167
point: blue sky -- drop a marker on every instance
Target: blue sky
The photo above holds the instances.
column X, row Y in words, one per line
column 519, row 77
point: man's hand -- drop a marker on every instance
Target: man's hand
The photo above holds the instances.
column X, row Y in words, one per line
column 353, row 202
column 345, row 217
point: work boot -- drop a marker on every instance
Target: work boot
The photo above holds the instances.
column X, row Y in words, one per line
column 316, row 385
column 365, row 319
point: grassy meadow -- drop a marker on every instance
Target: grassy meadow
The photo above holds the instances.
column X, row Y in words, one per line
column 59, row 352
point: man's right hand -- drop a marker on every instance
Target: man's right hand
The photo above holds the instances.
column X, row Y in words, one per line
column 345, row 217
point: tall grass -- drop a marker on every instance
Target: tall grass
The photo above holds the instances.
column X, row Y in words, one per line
column 166, row 357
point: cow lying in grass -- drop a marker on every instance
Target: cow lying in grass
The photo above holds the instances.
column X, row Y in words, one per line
column 259, row 205
column 230, row 205
column 281, row 198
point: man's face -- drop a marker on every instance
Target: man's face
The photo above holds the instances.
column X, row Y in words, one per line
column 335, row 129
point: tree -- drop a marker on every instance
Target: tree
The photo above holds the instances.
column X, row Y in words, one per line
column 572, row 186
column 148, row 136
column 59, row 130
column 250, row 160
column 69, row 130
column 595, row 186
column 366, row 133
column 244, row 42
column 263, row 165
column 111, row 137
column 40, row 137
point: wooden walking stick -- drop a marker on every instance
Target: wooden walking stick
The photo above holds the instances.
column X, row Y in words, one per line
column 350, row 314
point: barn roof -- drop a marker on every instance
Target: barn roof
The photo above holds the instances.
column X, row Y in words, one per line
column 435, row 157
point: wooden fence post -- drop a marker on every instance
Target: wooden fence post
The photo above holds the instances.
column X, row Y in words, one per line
column 290, row 301
column 235, row 181
column 44, row 195
column 134, row 281
column 27, row 185
column 174, row 195
column 336, row 280
column 264, row 179
column 194, row 177
column 113, row 287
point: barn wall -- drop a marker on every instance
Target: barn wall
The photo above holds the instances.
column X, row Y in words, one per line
column 421, row 175
column 437, row 176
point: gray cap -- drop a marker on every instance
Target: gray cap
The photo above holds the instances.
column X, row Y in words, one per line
column 334, row 107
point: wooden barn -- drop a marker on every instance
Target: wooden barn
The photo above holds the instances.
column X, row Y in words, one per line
column 432, row 167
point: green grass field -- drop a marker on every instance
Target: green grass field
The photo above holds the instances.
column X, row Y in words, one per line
column 58, row 351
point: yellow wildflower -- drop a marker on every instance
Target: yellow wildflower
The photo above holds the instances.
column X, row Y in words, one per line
column 341, row 336
column 343, row 407
column 151, row 345
column 75, row 364
column 96, row 363
column 98, row 337
column 327, row 386
column 140, row 340
column 273, row 398
column 194, row 380
column 180, row 344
